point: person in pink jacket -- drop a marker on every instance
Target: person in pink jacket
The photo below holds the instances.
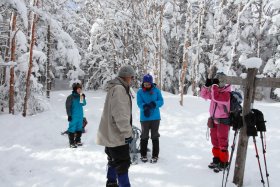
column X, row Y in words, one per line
column 219, row 93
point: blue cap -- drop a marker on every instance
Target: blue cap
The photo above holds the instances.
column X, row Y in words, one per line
column 148, row 78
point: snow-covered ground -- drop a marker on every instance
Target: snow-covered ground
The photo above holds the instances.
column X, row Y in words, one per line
column 33, row 153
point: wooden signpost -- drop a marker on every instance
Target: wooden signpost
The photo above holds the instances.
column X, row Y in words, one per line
column 249, row 84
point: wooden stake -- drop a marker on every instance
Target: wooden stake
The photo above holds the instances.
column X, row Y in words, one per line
column 243, row 138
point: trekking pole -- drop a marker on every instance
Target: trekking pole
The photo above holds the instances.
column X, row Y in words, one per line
column 258, row 158
column 264, row 157
column 224, row 184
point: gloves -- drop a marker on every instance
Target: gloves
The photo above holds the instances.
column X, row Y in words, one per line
column 208, row 82
column 153, row 104
column 147, row 110
column 215, row 81
column 128, row 140
column 84, row 96
column 69, row 118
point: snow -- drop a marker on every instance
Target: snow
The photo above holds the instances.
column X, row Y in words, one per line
column 276, row 20
column 33, row 152
column 21, row 8
column 253, row 62
column 277, row 92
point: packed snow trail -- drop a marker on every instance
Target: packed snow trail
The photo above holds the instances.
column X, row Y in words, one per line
column 33, row 153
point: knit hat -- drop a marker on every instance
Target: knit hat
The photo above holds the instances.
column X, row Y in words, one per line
column 126, row 71
column 76, row 86
column 148, row 78
column 220, row 76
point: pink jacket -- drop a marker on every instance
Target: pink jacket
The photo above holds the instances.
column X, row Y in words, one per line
column 221, row 96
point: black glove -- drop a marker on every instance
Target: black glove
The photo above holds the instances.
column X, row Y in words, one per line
column 84, row 96
column 69, row 118
column 147, row 111
column 153, row 104
column 208, row 82
column 216, row 81
column 128, row 140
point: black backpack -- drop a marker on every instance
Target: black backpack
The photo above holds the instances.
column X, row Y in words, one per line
column 235, row 113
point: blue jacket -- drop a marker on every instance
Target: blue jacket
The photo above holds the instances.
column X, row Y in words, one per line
column 73, row 106
column 145, row 97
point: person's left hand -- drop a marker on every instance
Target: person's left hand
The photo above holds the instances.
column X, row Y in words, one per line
column 153, row 104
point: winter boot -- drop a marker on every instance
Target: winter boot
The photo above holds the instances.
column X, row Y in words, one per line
column 123, row 180
column 112, row 184
column 71, row 140
column 143, row 148
column 144, row 159
column 154, row 160
column 155, row 148
column 78, row 138
column 215, row 163
column 220, row 167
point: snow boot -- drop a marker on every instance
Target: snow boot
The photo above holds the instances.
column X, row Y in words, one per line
column 71, row 140
column 112, row 184
column 78, row 138
column 221, row 167
column 143, row 148
column 123, row 180
column 154, row 160
column 144, row 159
column 155, row 148
column 215, row 163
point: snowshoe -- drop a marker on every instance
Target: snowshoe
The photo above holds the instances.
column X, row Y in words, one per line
column 144, row 159
column 154, row 160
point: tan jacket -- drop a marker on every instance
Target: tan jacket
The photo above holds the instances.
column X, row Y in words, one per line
column 115, row 124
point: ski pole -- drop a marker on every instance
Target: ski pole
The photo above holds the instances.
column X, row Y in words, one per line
column 258, row 158
column 264, row 157
column 231, row 156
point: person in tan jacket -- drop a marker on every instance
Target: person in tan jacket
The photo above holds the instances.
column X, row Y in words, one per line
column 115, row 128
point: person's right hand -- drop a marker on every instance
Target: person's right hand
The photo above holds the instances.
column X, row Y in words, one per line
column 208, row 82
column 69, row 118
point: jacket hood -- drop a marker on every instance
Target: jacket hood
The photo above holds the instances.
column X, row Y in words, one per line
column 226, row 88
column 115, row 82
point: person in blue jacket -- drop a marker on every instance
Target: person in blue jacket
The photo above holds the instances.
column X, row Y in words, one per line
column 149, row 100
column 74, row 109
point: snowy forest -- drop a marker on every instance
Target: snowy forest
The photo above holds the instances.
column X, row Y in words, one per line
column 174, row 40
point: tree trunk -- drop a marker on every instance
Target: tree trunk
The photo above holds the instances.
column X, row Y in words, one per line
column 6, row 55
column 12, row 70
column 160, row 45
column 32, row 41
column 48, row 62
column 184, row 71
column 260, row 28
